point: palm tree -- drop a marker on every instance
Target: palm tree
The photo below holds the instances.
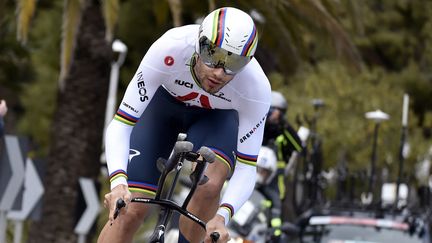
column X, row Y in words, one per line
column 290, row 24
column 79, row 116
column 176, row 11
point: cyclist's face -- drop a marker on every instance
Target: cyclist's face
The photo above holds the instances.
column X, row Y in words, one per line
column 274, row 116
column 212, row 79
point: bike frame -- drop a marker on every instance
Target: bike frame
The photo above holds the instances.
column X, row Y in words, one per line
column 182, row 151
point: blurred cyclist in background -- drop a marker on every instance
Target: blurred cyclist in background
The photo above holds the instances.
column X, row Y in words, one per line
column 282, row 137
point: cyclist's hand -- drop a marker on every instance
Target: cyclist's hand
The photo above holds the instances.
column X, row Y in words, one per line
column 3, row 108
column 118, row 192
column 217, row 224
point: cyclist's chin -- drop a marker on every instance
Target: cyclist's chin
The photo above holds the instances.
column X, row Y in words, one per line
column 212, row 88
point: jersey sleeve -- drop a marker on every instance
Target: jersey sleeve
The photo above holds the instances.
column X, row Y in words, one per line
column 252, row 115
column 151, row 74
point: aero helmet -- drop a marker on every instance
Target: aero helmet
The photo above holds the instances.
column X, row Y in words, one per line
column 228, row 39
column 278, row 101
column 266, row 165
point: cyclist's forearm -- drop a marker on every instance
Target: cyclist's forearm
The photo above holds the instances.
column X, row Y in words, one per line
column 239, row 189
column 117, row 152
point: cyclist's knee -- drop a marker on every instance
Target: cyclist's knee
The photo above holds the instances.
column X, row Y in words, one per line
column 217, row 173
column 135, row 214
column 210, row 190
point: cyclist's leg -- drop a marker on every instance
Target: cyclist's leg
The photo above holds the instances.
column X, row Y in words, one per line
column 153, row 136
column 125, row 226
column 217, row 130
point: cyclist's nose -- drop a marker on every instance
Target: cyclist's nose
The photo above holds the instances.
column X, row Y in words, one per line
column 219, row 72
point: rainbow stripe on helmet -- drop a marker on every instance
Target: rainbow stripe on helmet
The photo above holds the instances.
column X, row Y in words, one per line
column 218, row 33
column 251, row 43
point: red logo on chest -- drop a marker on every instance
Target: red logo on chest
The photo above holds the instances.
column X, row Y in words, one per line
column 169, row 60
column 203, row 100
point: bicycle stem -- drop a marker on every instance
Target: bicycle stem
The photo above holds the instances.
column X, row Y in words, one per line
column 196, row 176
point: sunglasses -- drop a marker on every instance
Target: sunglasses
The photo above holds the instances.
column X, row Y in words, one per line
column 216, row 57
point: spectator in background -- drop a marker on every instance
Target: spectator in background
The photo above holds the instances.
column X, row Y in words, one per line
column 3, row 111
column 282, row 137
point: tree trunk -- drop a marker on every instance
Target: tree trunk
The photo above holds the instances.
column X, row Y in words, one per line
column 77, row 130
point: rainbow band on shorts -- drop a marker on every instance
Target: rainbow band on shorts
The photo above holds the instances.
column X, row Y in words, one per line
column 142, row 187
column 224, row 158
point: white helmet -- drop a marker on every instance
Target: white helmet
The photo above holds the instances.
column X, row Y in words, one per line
column 227, row 38
column 278, row 101
column 266, row 165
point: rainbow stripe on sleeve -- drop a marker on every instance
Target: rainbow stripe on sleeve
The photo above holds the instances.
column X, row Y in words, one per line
column 229, row 208
column 247, row 159
column 125, row 118
column 117, row 174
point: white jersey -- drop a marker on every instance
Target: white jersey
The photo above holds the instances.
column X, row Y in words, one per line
column 168, row 63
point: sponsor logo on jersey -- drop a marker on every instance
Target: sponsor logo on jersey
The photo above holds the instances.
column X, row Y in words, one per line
column 201, row 99
column 221, row 95
column 142, row 91
column 130, row 107
column 184, row 83
column 169, row 60
column 252, row 131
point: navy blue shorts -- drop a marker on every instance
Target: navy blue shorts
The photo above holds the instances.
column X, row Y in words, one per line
column 155, row 134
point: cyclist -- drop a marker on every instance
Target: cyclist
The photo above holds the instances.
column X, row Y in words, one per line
column 204, row 81
column 280, row 135
column 3, row 111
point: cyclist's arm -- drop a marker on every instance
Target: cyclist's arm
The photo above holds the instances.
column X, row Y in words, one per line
column 251, row 131
column 151, row 73
column 291, row 135
column 239, row 189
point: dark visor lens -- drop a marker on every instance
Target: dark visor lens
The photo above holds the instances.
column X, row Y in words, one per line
column 216, row 57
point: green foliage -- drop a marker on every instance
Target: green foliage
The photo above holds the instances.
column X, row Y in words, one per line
column 342, row 123
column 15, row 68
column 39, row 97
column 139, row 26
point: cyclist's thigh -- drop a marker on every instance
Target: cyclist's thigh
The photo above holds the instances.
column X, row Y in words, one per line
column 153, row 136
column 218, row 130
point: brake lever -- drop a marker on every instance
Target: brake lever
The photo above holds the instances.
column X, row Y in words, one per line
column 214, row 236
column 119, row 205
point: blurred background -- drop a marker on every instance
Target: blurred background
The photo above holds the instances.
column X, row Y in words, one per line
column 57, row 60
